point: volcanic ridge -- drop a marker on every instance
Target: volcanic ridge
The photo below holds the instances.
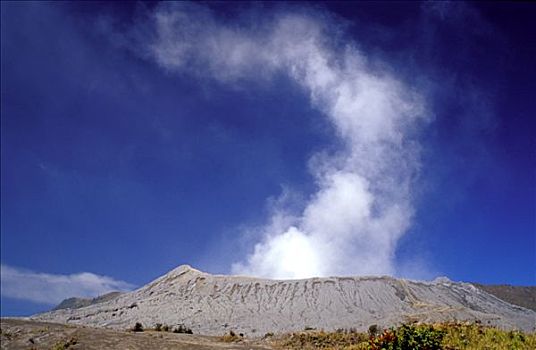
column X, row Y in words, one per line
column 214, row 304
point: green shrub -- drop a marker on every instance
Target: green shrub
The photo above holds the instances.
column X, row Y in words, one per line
column 373, row 330
column 138, row 327
column 422, row 337
column 158, row 327
column 323, row 340
column 182, row 329
column 268, row 335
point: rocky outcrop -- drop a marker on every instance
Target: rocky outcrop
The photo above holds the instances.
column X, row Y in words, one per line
column 215, row 304
column 77, row 303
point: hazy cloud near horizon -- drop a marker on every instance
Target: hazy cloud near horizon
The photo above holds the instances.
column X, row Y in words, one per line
column 363, row 202
column 45, row 288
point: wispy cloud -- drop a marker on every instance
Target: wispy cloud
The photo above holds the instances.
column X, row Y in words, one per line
column 363, row 202
column 51, row 289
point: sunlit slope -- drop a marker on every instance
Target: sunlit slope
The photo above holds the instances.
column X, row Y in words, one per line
column 214, row 304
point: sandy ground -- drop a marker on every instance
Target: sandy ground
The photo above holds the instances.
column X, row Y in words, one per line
column 25, row 334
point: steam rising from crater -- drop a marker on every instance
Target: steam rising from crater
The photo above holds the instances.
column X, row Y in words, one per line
column 363, row 202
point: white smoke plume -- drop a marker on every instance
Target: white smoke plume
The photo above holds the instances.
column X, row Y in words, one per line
column 45, row 288
column 363, row 202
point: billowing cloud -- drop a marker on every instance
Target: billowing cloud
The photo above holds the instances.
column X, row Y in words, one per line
column 363, row 201
column 51, row 289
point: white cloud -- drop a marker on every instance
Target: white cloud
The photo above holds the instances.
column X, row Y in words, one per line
column 51, row 289
column 363, row 202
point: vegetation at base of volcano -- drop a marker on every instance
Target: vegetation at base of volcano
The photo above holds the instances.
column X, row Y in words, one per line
column 441, row 336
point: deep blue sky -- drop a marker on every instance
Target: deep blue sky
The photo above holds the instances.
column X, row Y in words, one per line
column 111, row 165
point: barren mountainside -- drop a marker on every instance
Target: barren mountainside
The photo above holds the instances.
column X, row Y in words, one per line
column 215, row 304
column 518, row 295
column 77, row 303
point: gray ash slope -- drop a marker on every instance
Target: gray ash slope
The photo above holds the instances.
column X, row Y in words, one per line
column 215, row 304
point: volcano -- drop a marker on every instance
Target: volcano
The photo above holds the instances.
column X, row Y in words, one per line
column 215, row 304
